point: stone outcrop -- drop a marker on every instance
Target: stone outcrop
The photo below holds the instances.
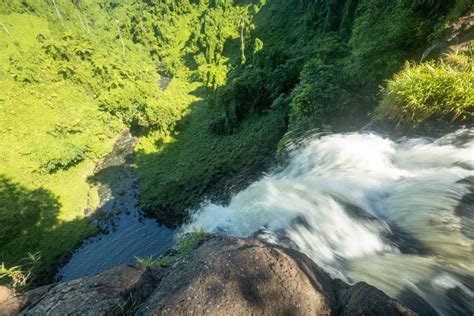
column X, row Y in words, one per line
column 10, row 303
column 243, row 277
column 222, row 276
column 458, row 36
column 363, row 299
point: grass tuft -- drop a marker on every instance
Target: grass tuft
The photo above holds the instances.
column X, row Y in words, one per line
column 429, row 92
column 185, row 244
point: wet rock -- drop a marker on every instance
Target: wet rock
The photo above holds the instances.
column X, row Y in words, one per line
column 363, row 299
column 465, row 209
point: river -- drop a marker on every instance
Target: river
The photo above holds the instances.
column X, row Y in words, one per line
column 398, row 214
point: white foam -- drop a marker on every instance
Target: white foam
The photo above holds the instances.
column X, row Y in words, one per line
column 411, row 185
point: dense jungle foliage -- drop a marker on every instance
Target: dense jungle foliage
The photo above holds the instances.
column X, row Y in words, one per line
column 75, row 73
column 67, row 91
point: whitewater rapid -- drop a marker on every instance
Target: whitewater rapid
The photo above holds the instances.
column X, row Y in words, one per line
column 396, row 214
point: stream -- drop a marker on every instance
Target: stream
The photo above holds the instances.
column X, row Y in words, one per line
column 397, row 214
column 130, row 234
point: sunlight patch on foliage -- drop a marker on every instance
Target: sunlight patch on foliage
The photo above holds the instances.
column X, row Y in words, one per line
column 431, row 91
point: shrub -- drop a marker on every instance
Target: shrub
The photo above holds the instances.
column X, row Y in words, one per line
column 162, row 115
column 430, row 91
column 64, row 157
column 246, row 93
column 320, row 94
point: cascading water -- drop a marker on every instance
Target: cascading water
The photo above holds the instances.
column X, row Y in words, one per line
column 396, row 214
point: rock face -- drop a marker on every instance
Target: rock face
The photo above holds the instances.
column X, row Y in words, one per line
column 10, row 303
column 458, row 36
column 97, row 295
column 243, row 277
column 222, row 276
column 363, row 299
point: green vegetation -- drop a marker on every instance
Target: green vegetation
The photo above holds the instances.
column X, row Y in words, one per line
column 20, row 276
column 75, row 73
column 68, row 89
column 177, row 170
column 200, row 155
column 185, row 243
column 429, row 92
column 328, row 58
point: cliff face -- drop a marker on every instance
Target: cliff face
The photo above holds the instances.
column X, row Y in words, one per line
column 222, row 275
column 458, row 36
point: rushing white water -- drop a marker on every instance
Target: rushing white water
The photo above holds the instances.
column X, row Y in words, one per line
column 366, row 208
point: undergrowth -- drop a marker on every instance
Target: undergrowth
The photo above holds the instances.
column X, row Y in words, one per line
column 20, row 277
column 185, row 243
column 430, row 92
column 68, row 89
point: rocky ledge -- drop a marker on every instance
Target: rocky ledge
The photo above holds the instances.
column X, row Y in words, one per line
column 221, row 276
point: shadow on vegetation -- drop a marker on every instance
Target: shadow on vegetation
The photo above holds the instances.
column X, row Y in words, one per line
column 126, row 233
column 29, row 224
column 200, row 165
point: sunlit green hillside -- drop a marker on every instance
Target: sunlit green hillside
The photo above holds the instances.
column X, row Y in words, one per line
column 68, row 89
column 74, row 74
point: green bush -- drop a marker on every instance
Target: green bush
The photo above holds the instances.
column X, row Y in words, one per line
column 430, row 91
column 320, row 94
column 63, row 157
column 20, row 277
column 246, row 93
column 162, row 116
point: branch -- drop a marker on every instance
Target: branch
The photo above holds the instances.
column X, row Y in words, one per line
column 5, row 29
column 56, row 8
column 121, row 38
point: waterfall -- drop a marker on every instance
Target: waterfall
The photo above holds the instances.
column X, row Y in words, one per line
column 396, row 214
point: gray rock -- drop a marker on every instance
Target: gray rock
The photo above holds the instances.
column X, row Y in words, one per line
column 222, row 276
column 102, row 294
column 241, row 277
column 363, row 299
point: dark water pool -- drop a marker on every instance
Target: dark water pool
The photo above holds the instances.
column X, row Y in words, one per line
column 129, row 234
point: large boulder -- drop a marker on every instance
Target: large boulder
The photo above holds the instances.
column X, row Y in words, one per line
column 222, row 276
column 102, row 294
column 242, row 277
column 363, row 299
